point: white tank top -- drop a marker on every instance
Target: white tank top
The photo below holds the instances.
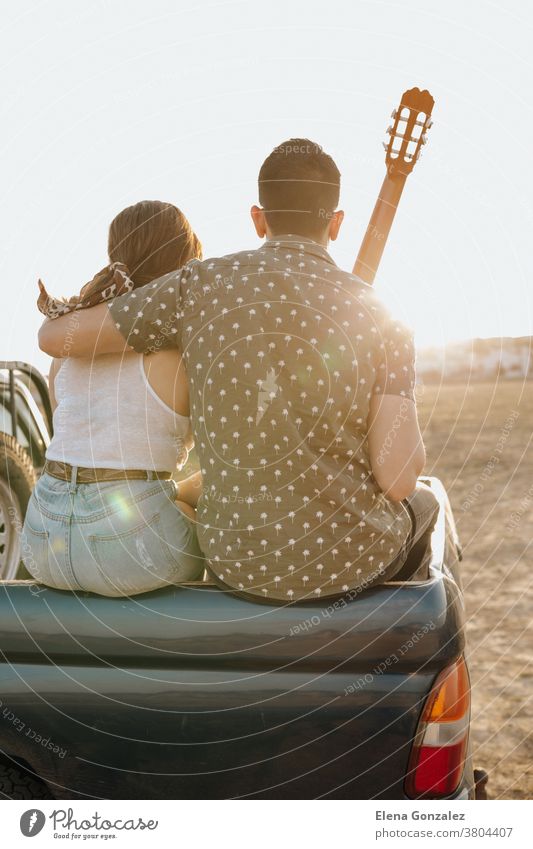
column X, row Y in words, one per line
column 108, row 416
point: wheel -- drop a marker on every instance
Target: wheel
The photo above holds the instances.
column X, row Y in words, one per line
column 17, row 479
column 16, row 784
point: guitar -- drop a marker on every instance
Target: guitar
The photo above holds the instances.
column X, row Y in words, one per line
column 412, row 120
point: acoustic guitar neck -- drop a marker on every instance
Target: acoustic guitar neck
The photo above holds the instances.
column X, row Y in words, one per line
column 407, row 135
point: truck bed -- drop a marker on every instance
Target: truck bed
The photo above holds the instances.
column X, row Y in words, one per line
column 190, row 692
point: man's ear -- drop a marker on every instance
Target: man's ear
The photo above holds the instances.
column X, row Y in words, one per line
column 258, row 217
column 335, row 224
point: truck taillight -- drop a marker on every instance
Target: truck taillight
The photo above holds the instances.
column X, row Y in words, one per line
column 440, row 746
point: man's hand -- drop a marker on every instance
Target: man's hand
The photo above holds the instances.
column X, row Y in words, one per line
column 83, row 333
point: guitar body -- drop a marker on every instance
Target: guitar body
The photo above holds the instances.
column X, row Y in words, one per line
column 407, row 135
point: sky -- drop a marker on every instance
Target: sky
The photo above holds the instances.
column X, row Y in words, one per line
column 110, row 102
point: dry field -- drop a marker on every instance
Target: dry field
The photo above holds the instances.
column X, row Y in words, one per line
column 479, row 442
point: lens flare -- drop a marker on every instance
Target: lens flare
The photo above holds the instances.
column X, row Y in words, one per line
column 122, row 505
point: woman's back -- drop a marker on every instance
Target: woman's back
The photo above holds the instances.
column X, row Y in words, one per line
column 106, row 516
column 119, row 411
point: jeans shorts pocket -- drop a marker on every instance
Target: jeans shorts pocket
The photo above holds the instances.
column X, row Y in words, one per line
column 35, row 553
column 134, row 561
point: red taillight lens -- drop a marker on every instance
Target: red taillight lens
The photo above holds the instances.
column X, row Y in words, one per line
column 439, row 751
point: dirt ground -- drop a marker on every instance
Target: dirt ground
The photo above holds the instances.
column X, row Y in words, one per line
column 479, row 442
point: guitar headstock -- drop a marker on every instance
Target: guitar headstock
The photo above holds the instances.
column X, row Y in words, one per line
column 407, row 134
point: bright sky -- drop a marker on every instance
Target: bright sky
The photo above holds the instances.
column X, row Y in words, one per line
column 107, row 103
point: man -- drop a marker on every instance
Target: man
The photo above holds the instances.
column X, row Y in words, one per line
column 301, row 396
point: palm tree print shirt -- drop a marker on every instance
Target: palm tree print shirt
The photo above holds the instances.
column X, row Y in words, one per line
column 283, row 352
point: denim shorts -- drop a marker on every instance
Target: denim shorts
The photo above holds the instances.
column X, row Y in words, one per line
column 115, row 538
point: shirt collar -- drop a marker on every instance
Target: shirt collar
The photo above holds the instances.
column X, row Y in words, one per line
column 302, row 244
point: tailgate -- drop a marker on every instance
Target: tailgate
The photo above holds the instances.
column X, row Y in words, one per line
column 202, row 694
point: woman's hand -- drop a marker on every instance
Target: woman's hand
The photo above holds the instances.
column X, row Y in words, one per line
column 190, row 489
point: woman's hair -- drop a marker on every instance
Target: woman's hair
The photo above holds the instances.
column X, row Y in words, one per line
column 152, row 238
column 146, row 241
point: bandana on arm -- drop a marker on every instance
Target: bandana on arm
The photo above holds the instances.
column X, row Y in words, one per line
column 111, row 281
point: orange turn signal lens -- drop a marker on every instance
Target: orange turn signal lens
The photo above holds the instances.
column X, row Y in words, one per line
column 451, row 695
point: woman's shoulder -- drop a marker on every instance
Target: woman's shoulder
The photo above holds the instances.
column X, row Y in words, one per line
column 168, row 358
column 165, row 372
column 164, row 365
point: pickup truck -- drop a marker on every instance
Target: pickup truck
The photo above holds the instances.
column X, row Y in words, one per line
column 192, row 692
column 25, row 430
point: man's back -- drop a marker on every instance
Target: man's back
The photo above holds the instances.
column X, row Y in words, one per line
column 283, row 351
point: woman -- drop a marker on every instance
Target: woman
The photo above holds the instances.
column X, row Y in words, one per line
column 105, row 515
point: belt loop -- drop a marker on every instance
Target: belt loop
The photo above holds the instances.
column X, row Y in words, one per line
column 73, row 479
column 150, row 476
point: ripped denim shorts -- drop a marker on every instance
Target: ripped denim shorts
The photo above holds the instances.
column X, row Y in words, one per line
column 116, row 538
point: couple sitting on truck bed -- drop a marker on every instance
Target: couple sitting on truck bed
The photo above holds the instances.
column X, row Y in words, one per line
column 290, row 377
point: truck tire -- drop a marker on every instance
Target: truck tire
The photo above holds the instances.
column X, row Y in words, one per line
column 17, row 479
column 16, row 784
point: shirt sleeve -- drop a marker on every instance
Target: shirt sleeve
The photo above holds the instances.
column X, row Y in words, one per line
column 151, row 318
column 396, row 370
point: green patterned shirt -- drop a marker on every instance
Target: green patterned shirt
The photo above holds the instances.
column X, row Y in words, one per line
column 283, row 352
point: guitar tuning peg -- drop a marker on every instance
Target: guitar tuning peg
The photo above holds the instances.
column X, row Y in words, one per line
column 394, row 113
column 389, row 131
column 423, row 139
column 385, row 146
column 429, row 125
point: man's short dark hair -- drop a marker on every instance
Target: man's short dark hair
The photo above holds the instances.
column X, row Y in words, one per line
column 299, row 187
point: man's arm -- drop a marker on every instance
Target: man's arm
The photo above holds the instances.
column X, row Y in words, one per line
column 83, row 333
column 396, row 449
column 146, row 319
column 397, row 453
